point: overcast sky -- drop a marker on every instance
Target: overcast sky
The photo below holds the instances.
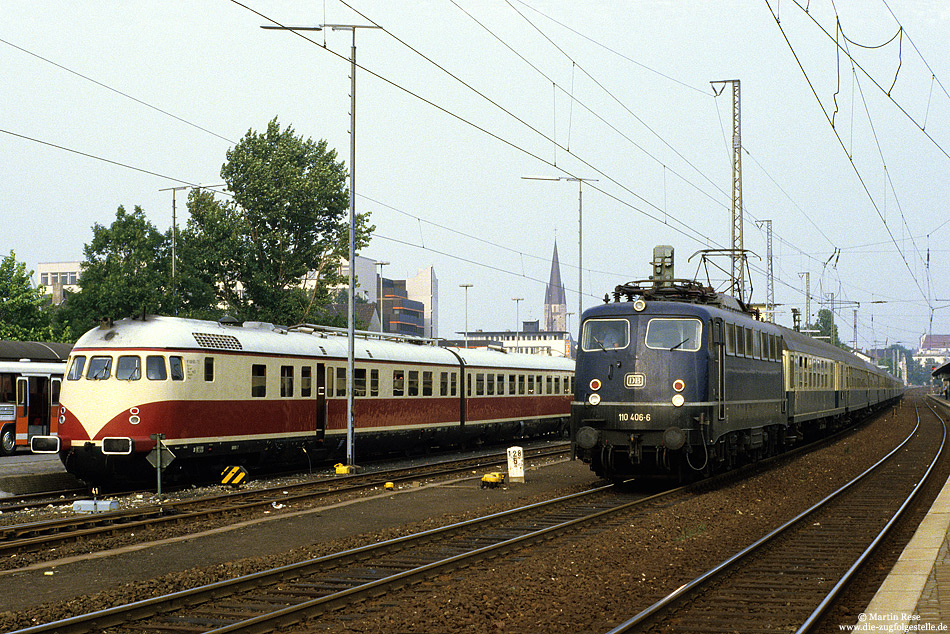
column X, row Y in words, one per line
column 461, row 99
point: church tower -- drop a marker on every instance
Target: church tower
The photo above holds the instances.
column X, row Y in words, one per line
column 555, row 300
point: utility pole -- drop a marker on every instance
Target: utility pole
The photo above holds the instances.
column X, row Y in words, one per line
column 517, row 301
column 737, row 277
column 770, row 280
column 466, row 287
column 807, row 276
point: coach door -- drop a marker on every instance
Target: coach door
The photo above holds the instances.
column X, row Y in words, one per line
column 321, row 404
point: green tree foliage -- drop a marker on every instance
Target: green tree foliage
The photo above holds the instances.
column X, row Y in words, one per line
column 288, row 220
column 23, row 307
column 826, row 328
column 126, row 272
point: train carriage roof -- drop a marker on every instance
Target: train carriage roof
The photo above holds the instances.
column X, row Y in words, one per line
column 173, row 333
column 33, row 350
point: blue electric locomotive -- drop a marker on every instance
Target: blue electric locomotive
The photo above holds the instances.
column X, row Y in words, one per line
column 680, row 380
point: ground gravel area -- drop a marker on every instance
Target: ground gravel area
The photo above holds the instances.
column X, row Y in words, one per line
column 586, row 583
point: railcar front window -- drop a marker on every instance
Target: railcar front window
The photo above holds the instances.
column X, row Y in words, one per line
column 605, row 334
column 177, row 368
column 75, row 370
column 674, row 334
column 100, row 368
column 128, row 368
column 155, row 368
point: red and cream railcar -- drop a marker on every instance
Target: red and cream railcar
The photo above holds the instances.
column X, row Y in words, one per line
column 258, row 394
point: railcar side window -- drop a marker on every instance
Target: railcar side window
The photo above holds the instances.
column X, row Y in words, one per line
column 209, row 368
column 359, row 381
column 341, row 381
column 177, row 368
column 258, row 380
column 75, row 370
column 100, row 368
column 443, row 384
column 479, row 384
column 501, row 384
column 306, row 381
column 155, row 368
column 399, row 382
column 427, row 384
column 413, row 383
column 453, row 385
column 374, row 382
column 520, row 384
column 605, row 334
column 287, row 381
column 674, row 334
column 511, row 384
column 491, row 385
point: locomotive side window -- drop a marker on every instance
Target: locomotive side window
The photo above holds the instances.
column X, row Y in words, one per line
column 155, row 368
column 674, row 334
column 286, row 381
column 177, row 368
column 100, row 368
column 730, row 338
column 605, row 334
column 75, row 370
column 740, row 342
column 306, row 381
column 258, row 380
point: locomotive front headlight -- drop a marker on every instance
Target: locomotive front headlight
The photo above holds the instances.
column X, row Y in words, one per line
column 639, row 305
column 678, row 400
column 594, row 399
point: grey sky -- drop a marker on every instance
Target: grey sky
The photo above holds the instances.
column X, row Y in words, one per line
column 439, row 163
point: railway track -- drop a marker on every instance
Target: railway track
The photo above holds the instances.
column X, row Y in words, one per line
column 31, row 536
column 788, row 578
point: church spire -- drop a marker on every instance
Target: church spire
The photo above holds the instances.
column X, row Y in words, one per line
column 555, row 299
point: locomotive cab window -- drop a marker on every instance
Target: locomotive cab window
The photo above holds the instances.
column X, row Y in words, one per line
column 605, row 334
column 674, row 334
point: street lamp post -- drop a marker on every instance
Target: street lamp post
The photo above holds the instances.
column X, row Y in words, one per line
column 466, row 287
column 351, row 303
column 580, row 231
column 517, row 301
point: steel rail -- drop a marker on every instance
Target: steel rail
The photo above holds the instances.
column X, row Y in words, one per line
column 699, row 581
column 46, row 532
column 833, row 593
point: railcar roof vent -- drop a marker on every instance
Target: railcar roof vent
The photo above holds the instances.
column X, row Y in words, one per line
column 230, row 320
column 221, row 342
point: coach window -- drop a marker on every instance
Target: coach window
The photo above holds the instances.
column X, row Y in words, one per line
column 605, row 334
column 374, row 382
column 75, row 370
column 511, row 384
column 258, row 380
column 413, row 383
column 520, row 384
column 155, row 368
column 359, row 381
column 209, row 368
column 557, row 385
column 530, row 384
column 490, row 386
column 479, row 384
column 399, row 382
column 341, row 381
column 306, row 381
column 177, row 368
column 443, row 384
column 500, row 384
column 453, row 384
column 100, row 368
column 287, row 381
column 427, row 384
column 549, row 385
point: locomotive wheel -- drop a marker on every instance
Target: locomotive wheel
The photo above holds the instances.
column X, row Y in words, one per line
column 8, row 440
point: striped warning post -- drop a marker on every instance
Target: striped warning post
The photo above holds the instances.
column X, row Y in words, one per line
column 235, row 476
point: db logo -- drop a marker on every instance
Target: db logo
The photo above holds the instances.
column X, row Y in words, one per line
column 634, row 380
